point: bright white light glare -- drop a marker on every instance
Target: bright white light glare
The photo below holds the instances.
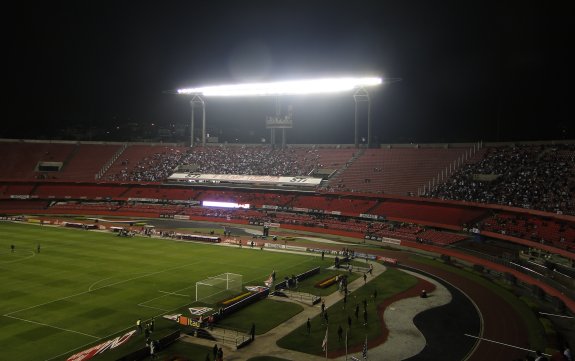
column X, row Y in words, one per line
column 294, row 87
column 224, row 204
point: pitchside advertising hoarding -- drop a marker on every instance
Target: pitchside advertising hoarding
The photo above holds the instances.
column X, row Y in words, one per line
column 100, row 348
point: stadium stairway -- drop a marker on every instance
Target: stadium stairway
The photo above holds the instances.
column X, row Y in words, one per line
column 294, row 296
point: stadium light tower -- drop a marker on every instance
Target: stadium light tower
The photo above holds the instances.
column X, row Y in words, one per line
column 198, row 100
column 291, row 87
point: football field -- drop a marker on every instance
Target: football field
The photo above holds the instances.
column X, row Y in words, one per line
column 83, row 287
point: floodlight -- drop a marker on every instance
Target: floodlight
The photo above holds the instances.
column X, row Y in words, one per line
column 294, row 87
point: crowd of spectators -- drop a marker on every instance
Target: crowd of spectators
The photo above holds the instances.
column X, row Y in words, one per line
column 538, row 177
column 244, row 160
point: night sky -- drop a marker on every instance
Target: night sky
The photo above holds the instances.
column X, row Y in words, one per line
column 470, row 70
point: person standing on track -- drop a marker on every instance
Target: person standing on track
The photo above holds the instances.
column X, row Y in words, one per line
column 153, row 347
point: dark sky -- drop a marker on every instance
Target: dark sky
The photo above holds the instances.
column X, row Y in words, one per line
column 470, row 70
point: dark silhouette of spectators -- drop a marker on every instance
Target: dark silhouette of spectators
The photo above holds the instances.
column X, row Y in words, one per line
column 538, row 177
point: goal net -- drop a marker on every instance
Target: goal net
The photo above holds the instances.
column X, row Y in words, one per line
column 216, row 288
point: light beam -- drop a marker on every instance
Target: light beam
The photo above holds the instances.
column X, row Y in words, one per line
column 294, row 87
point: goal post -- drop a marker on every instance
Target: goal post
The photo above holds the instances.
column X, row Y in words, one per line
column 220, row 286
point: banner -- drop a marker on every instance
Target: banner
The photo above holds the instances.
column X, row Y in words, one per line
column 172, row 317
column 256, row 288
column 270, row 281
column 371, row 216
column 98, row 349
column 387, row 260
column 198, row 311
column 296, row 248
column 299, row 181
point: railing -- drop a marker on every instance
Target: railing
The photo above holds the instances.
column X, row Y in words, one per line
column 449, row 170
column 111, row 161
column 224, row 335
column 515, row 265
column 303, row 297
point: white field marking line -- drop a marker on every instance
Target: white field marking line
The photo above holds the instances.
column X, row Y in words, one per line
column 104, row 279
column 481, row 321
column 501, row 343
column 552, row 314
column 155, row 308
column 85, row 292
column 143, row 304
column 56, row 327
column 174, row 293
column 95, row 283
column 18, row 259
column 163, row 296
column 57, row 357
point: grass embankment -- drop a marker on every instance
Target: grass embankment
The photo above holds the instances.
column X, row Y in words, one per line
column 388, row 284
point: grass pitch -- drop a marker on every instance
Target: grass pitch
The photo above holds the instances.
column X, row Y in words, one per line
column 388, row 284
column 86, row 287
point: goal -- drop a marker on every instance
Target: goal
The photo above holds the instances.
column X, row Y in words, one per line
column 213, row 289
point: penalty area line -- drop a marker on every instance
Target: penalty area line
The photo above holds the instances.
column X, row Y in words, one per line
column 155, row 308
column 501, row 343
column 55, row 327
column 174, row 293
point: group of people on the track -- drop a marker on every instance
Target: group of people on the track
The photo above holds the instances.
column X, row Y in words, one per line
column 147, row 329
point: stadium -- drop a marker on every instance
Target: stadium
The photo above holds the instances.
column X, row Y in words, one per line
column 200, row 241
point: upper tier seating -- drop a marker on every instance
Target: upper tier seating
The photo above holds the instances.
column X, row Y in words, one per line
column 136, row 159
column 21, row 159
column 538, row 177
column 157, row 163
column 87, row 160
column 79, row 161
column 399, row 171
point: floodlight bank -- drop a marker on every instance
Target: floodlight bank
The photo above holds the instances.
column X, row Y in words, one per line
column 295, row 87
